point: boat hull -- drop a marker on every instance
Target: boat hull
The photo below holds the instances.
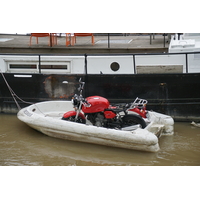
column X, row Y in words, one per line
column 171, row 94
column 46, row 118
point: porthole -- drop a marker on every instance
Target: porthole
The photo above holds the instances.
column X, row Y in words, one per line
column 115, row 66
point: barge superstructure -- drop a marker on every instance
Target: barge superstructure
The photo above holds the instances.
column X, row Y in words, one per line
column 170, row 81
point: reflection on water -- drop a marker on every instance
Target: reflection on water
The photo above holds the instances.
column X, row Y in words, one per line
column 21, row 145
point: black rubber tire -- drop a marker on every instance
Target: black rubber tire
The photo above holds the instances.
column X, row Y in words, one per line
column 130, row 120
column 72, row 119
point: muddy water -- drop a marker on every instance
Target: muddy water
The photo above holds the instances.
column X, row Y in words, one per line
column 23, row 146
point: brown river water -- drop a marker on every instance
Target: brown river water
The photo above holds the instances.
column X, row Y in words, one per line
column 22, row 146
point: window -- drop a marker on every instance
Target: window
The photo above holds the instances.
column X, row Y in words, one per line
column 23, row 66
column 31, row 66
column 54, row 67
column 114, row 66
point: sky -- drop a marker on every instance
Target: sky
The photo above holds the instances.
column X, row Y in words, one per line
column 127, row 16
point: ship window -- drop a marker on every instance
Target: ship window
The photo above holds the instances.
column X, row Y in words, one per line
column 114, row 66
column 22, row 66
column 54, row 67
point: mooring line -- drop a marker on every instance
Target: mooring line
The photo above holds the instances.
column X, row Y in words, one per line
column 13, row 93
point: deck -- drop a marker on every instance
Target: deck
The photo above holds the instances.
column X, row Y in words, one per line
column 118, row 43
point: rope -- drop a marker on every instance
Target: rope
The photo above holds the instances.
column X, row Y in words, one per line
column 15, row 97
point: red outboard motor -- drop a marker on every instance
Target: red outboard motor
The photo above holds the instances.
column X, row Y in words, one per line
column 100, row 113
